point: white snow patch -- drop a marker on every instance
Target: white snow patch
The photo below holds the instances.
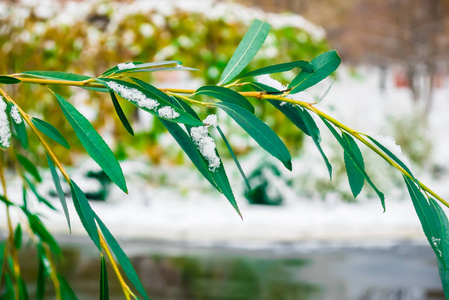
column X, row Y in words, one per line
column 125, row 66
column 5, row 130
column 211, row 120
column 133, row 95
column 206, row 145
column 168, row 112
column 267, row 80
column 389, row 143
column 15, row 115
column 301, row 96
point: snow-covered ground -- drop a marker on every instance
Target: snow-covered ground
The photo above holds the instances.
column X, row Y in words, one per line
column 175, row 204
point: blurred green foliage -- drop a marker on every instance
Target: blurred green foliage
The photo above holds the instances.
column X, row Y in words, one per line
column 101, row 40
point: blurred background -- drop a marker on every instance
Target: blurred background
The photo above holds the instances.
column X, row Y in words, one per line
column 303, row 236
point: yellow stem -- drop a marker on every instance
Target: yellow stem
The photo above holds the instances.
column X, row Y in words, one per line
column 126, row 290
column 39, row 136
column 258, row 95
column 15, row 258
column 53, row 275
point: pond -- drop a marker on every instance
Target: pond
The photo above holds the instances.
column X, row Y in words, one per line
column 282, row 271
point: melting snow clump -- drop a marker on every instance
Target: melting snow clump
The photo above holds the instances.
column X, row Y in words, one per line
column 5, row 130
column 124, row 66
column 133, row 95
column 267, row 80
column 301, row 96
column 206, row 145
column 15, row 115
column 211, row 120
column 389, row 143
column 168, row 112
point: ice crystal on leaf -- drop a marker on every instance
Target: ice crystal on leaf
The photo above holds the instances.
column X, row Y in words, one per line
column 211, row 120
column 5, row 130
column 168, row 112
column 206, row 145
column 15, row 115
column 125, row 66
column 133, row 95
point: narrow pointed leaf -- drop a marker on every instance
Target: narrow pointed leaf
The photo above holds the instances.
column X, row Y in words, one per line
column 50, row 131
column 38, row 196
column 95, row 146
column 41, row 281
column 123, row 260
column 23, row 293
column 9, row 80
column 324, row 65
column 140, row 65
column 18, row 237
column 355, row 177
column 85, row 213
column 122, row 89
column 66, row 291
column 59, row 191
column 441, row 247
column 259, row 131
column 279, row 68
column 225, row 95
column 20, row 129
column 56, row 75
column 393, row 157
column 356, row 162
column 39, row 229
column 29, row 167
column 246, row 50
column 181, row 68
column 104, row 288
column 237, row 163
column 314, row 131
column 121, row 114
column 290, row 111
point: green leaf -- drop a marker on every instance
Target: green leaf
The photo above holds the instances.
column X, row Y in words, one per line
column 9, row 289
column 279, row 68
column 21, row 132
column 9, row 80
column 38, row 196
column 66, row 291
column 355, row 177
column 29, row 167
column 85, row 213
column 2, row 256
column 23, row 293
column 314, row 131
column 50, row 131
column 393, row 157
column 178, row 68
column 95, row 146
column 247, row 49
column 6, row 201
column 225, row 95
column 140, row 65
column 121, row 114
column 324, row 64
column 104, row 288
column 122, row 258
column 18, row 237
column 59, row 191
column 259, row 131
column 237, row 163
column 41, row 281
column 39, row 229
column 56, row 75
column 151, row 92
column 356, row 162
